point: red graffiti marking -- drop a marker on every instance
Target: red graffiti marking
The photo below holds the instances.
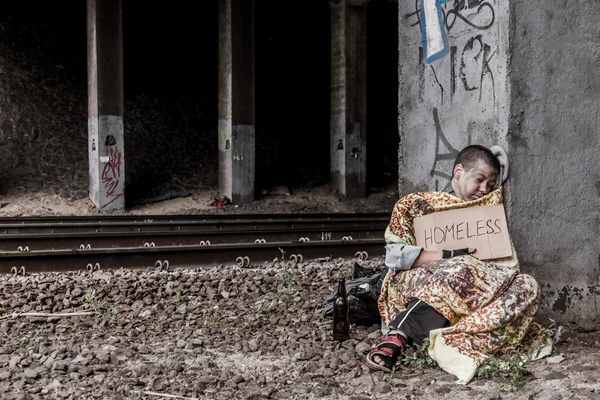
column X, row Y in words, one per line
column 111, row 174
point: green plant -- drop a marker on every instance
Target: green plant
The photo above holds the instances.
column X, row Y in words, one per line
column 289, row 279
column 282, row 253
column 290, row 290
column 510, row 367
column 420, row 357
column 94, row 303
column 2, row 309
column 112, row 314
column 178, row 296
column 352, row 349
column 262, row 306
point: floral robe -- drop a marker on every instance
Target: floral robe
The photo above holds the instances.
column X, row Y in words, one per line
column 491, row 304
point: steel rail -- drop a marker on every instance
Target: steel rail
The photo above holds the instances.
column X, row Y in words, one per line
column 190, row 256
column 188, row 224
column 87, row 240
column 73, row 243
column 184, row 217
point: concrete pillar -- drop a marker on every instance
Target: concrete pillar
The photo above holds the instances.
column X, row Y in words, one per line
column 105, row 104
column 236, row 126
column 348, row 123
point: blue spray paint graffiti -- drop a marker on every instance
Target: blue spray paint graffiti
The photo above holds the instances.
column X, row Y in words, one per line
column 435, row 41
column 436, row 18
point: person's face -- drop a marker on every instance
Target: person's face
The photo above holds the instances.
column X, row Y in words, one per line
column 474, row 183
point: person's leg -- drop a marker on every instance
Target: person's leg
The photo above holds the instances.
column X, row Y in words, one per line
column 416, row 322
column 411, row 325
column 499, row 325
column 385, row 353
column 496, row 328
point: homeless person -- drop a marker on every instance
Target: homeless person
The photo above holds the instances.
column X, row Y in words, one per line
column 468, row 308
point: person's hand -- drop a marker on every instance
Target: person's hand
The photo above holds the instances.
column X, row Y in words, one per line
column 459, row 252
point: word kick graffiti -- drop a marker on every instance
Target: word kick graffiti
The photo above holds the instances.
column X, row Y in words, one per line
column 444, row 151
column 111, row 174
column 473, row 72
column 435, row 20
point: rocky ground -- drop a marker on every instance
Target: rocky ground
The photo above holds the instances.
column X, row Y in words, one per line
column 227, row 332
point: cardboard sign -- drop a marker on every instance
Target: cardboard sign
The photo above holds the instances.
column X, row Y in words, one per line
column 482, row 227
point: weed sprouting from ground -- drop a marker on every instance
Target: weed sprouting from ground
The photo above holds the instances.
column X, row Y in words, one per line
column 94, row 303
column 291, row 290
column 420, row 357
column 510, row 367
column 178, row 296
column 262, row 306
column 97, row 306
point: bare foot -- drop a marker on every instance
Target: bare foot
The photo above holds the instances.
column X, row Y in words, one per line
column 380, row 360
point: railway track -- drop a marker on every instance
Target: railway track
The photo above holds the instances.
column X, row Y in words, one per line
column 37, row 244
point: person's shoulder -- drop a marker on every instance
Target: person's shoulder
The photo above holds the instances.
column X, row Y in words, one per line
column 425, row 196
column 407, row 198
column 421, row 198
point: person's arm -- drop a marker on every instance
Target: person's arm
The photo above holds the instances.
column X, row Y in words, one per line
column 429, row 256
column 401, row 256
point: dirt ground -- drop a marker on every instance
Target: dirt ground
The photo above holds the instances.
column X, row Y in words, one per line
column 315, row 200
column 228, row 333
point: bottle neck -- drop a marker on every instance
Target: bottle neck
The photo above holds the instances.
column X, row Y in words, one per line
column 342, row 287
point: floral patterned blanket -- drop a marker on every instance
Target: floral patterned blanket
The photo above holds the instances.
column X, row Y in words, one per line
column 491, row 304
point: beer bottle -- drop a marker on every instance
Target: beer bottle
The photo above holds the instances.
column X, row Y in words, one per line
column 341, row 323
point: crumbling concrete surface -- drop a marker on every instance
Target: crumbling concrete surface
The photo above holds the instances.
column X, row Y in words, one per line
column 227, row 332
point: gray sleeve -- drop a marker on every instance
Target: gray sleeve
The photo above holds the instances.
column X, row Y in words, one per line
column 401, row 256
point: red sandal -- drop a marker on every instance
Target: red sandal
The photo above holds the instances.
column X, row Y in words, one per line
column 388, row 348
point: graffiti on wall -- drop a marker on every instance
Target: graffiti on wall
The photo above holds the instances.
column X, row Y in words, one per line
column 111, row 174
column 224, row 139
column 457, row 60
column 437, row 18
column 445, row 154
column 481, row 11
column 473, row 72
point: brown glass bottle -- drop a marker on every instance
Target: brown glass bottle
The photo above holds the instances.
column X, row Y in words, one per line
column 341, row 323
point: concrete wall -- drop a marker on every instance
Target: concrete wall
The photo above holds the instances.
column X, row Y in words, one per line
column 453, row 89
column 525, row 77
column 554, row 145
